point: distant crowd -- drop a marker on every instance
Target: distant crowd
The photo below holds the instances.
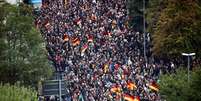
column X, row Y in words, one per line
column 101, row 55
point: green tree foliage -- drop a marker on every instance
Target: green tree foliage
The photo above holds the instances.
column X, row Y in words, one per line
column 175, row 87
column 22, row 52
column 135, row 8
column 177, row 27
column 195, row 86
column 17, row 93
column 154, row 9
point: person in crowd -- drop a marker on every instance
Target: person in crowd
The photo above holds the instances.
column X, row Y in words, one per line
column 102, row 56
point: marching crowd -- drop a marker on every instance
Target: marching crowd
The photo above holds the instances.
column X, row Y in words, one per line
column 101, row 55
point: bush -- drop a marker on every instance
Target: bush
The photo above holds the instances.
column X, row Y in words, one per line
column 175, row 87
column 17, row 93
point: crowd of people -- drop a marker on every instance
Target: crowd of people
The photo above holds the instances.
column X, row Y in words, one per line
column 101, row 55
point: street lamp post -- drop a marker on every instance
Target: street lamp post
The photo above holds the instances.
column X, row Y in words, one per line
column 188, row 55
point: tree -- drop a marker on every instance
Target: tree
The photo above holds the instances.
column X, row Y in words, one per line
column 174, row 87
column 22, row 53
column 177, row 28
column 154, row 9
column 17, row 93
column 195, row 87
column 135, row 8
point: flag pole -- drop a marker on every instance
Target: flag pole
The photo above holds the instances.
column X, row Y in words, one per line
column 144, row 33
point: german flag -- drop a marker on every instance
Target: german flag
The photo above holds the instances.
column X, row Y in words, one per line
column 128, row 97
column 78, row 22
column 107, row 34
column 137, row 98
column 46, row 24
column 84, row 48
column 106, row 68
column 76, row 41
column 115, row 89
column 154, row 86
column 65, row 37
column 44, row 4
column 131, row 86
column 90, row 38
